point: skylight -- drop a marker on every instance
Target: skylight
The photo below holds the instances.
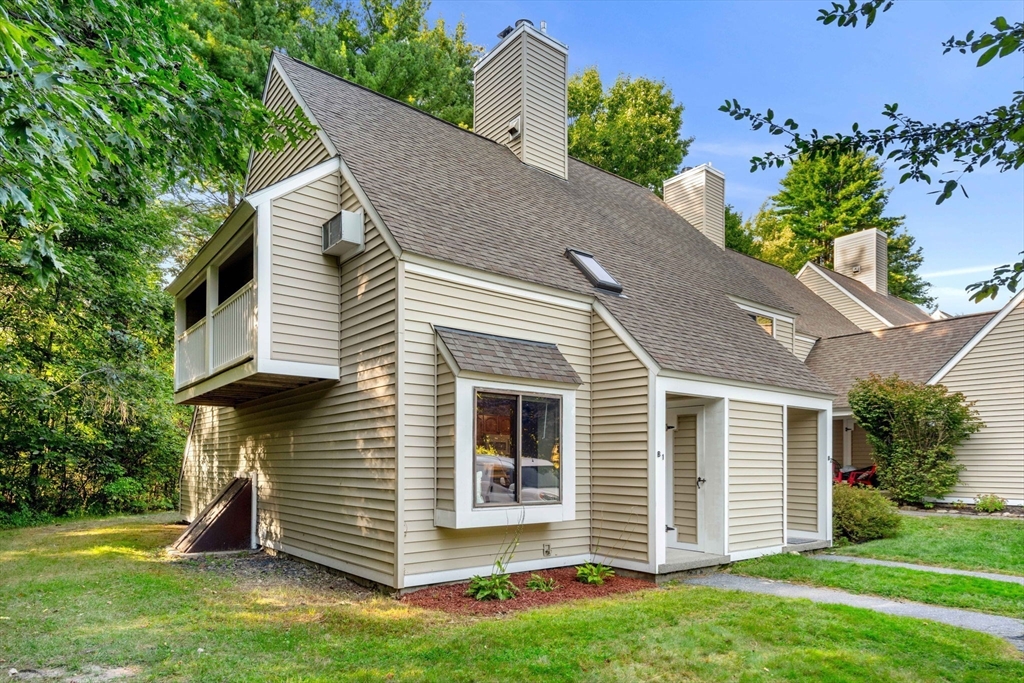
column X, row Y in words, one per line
column 594, row 271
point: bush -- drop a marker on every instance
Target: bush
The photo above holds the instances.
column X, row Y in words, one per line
column 492, row 587
column 124, row 495
column 914, row 430
column 989, row 503
column 23, row 517
column 594, row 574
column 861, row 514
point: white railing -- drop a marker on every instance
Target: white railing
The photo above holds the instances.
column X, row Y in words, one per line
column 190, row 356
column 233, row 328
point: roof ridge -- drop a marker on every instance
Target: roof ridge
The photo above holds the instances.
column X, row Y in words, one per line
column 915, row 324
column 887, row 295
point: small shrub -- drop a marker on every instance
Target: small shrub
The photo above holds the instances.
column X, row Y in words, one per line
column 861, row 514
column 594, row 574
column 124, row 494
column 23, row 517
column 959, row 505
column 989, row 503
column 492, row 587
column 536, row 582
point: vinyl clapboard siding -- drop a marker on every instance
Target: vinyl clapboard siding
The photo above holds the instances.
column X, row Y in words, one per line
column 853, row 311
column 445, row 427
column 305, row 289
column 325, row 455
column 267, row 168
column 620, row 447
column 498, row 95
column 868, row 252
column 545, row 135
column 755, row 475
column 802, row 470
column 861, row 453
column 802, row 346
column 430, row 301
column 992, row 375
column 684, row 479
column 698, row 196
column 784, row 334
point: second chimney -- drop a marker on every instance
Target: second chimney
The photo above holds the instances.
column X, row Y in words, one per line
column 864, row 256
column 698, row 195
column 520, row 97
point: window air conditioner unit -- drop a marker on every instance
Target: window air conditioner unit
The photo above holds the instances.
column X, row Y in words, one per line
column 343, row 234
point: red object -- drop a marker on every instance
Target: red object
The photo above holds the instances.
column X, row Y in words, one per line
column 865, row 476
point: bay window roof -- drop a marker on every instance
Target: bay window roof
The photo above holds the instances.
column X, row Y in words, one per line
column 506, row 357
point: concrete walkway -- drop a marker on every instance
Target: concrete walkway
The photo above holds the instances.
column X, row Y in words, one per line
column 1004, row 627
column 919, row 567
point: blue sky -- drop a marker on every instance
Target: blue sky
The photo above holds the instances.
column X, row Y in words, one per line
column 774, row 54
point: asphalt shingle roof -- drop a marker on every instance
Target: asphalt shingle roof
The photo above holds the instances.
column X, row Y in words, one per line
column 915, row 352
column 894, row 309
column 448, row 193
column 507, row 357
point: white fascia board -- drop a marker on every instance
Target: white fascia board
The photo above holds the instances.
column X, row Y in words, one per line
column 976, row 339
column 845, row 291
column 224, row 234
column 761, row 309
column 842, row 412
column 806, row 338
column 275, row 64
column 706, row 166
column 297, row 369
column 697, row 385
column 626, row 338
column 217, row 381
column 449, row 272
column 294, row 182
column 452, row 575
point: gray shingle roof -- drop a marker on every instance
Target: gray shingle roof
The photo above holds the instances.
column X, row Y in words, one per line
column 815, row 317
column 915, row 352
column 507, row 357
column 450, row 194
column 894, row 309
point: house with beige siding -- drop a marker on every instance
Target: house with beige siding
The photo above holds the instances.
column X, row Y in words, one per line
column 415, row 339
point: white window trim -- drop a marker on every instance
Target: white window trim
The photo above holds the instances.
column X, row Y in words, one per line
column 775, row 317
column 465, row 515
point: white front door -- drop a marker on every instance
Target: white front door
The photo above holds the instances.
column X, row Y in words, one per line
column 685, row 495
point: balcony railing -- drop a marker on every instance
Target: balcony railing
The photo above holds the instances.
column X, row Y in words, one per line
column 205, row 349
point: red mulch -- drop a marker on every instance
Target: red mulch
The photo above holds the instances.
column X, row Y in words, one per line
column 453, row 598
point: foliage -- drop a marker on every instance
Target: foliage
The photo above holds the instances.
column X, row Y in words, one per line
column 23, row 516
column 86, row 412
column 385, row 45
column 736, row 238
column 989, row 502
column 862, row 514
column 102, row 90
column 536, row 582
column 631, row 129
column 995, row 136
column 594, row 574
column 914, row 430
column 492, row 587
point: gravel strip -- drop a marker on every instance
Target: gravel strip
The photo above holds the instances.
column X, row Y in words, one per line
column 919, row 567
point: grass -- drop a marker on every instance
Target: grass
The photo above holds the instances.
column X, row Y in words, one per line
column 993, row 545
column 964, row 592
column 103, row 594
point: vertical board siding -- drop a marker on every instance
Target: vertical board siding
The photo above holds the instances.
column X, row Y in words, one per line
column 802, row 346
column 325, row 454
column 445, row 421
column 430, row 301
column 992, row 375
column 755, row 475
column 853, row 311
column 684, row 479
column 545, row 135
column 784, row 334
column 498, row 96
column 620, row 448
column 305, row 285
column 269, row 167
column 802, row 470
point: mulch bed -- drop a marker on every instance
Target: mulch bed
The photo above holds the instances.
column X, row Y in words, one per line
column 453, row 599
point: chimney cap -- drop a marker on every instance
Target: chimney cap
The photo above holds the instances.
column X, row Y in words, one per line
column 520, row 22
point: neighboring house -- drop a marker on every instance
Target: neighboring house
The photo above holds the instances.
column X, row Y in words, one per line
column 415, row 338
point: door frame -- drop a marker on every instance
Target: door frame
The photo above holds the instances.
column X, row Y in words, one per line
column 672, row 416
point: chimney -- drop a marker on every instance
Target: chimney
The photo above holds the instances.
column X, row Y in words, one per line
column 864, row 256
column 698, row 195
column 520, row 98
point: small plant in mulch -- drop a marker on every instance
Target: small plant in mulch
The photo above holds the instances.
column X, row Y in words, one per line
column 594, row 574
column 989, row 503
column 492, row 587
column 536, row 582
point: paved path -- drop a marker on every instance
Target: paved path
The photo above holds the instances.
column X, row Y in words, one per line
column 919, row 567
column 1004, row 627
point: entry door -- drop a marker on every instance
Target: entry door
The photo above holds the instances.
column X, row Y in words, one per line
column 685, row 493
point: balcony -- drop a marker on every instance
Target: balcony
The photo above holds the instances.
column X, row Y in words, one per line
column 206, row 349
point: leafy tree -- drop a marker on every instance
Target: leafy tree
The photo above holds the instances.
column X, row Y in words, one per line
column 101, row 90
column 825, row 197
column 631, row 130
column 736, row 238
column 995, row 136
column 914, row 430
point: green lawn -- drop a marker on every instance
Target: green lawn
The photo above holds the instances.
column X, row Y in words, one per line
column 102, row 594
column 966, row 592
column 982, row 544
